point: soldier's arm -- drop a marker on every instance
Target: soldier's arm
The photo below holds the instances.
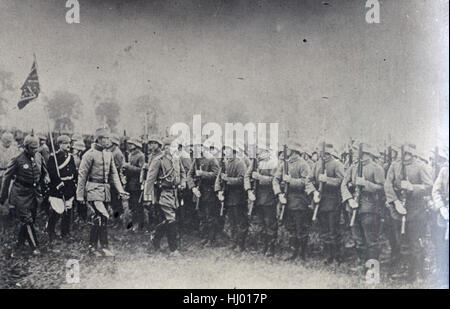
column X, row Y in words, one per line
column 248, row 177
column 136, row 170
column 7, row 176
column 277, row 180
column 438, row 191
column 83, row 171
column 378, row 178
column 190, row 176
column 345, row 193
column 424, row 188
column 114, row 177
column 338, row 175
column 389, row 191
column 300, row 183
column 311, row 180
column 182, row 175
column 214, row 170
column 152, row 175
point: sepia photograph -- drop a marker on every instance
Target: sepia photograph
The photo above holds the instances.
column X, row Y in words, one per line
column 224, row 145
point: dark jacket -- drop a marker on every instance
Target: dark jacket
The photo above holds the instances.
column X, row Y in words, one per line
column 207, row 181
column 133, row 171
column 68, row 173
column 299, row 171
column 26, row 193
column 264, row 187
column 235, row 170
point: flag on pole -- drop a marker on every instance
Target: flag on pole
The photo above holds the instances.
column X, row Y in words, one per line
column 30, row 88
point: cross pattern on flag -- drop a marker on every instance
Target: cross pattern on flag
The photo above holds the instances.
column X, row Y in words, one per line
column 30, row 88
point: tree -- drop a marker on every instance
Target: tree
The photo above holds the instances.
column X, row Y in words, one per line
column 6, row 85
column 107, row 109
column 63, row 108
column 150, row 105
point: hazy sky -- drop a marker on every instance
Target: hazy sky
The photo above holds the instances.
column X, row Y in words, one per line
column 273, row 61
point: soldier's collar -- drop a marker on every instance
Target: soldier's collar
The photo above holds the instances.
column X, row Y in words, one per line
column 98, row 147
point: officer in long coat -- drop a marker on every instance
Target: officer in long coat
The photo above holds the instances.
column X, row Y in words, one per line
column 30, row 174
column 63, row 177
column 166, row 176
column 96, row 175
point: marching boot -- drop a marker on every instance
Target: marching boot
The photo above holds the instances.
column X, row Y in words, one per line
column 266, row 244
column 303, row 248
column 271, row 249
column 294, row 255
column 329, row 254
column 172, row 236
column 411, row 275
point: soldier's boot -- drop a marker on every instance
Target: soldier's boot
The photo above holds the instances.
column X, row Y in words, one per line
column 411, row 274
column 242, row 243
column 271, row 248
column 172, row 236
column 303, row 249
column 329, row 254
column 103, row 233
column 296, row 246
column 266, row 244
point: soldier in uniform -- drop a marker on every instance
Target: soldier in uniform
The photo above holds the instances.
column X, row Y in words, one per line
column 63, row 177
column 30, row 174
column 43, row 148
column 7, row 152
column 232, row 176
column 439, row 223
column 329, row 210
column 119, row 160
column 367, row 217
column 297, row 213
column 201, row 180
column 264, row 210
column 132, row 171
column 404, row 197
column 96, row 174
column 165, row 177
column 78, row 149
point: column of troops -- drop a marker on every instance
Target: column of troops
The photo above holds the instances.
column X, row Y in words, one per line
column 397, row 195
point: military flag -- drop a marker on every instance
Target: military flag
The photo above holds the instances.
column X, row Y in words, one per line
column 30, row 88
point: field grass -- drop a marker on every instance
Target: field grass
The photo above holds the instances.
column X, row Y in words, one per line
column 137, row 266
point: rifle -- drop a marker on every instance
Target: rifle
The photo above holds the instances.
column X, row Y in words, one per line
column 322, row 170
column 357, row 194
column 144, row 170
column 254, row 184
column 198, row 182
column 125, row 145
column 223, row 185
column 285, row 186
column 402, row 191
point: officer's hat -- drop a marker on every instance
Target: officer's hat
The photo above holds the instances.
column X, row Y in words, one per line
column 366, row 147
column 63, row 139
column 41, row 137
column 7, row 137
column 102, row 132
column 31, row 141
column 115, row 139
column 77, row 137
column 155, row 139
column 410, row 148
column 79, row 145
column 135, row 142
column 293, row 145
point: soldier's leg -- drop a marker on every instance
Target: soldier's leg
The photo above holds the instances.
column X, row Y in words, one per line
column 370, row 224
column 324, row 218
column 271, row 227
column 358, row 238
column 52, row 220
column 335, row 233
column 304, row 217
column 415, row 235
column 290, row 222
column 65, row 222
column 242, row 225
column 215, row 224
column 95, row 228
column 171, row 226
column 232, row 219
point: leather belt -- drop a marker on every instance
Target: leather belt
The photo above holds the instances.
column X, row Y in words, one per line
column 27, row 185
column 97, row 181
